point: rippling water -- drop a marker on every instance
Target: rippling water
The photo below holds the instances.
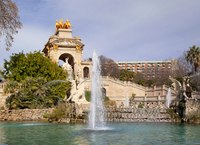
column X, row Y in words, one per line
column 118, row 134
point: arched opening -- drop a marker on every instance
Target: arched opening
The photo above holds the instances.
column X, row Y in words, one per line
column 103, row 92
column 70, row 59
column 86, row 72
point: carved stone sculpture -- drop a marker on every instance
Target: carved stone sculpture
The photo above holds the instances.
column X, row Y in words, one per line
column 67, row 67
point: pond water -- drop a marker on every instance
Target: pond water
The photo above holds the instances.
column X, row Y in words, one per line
column 33, row 133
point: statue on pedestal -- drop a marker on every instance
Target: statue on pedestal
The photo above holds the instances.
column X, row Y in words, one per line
column 66, row 25
column 67, row 67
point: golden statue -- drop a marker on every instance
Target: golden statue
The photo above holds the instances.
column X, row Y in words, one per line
column 59, row 24
column 66, row 25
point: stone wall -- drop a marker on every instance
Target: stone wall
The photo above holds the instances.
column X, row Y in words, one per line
column 137, row 114
column 118, row 90
column 2, row 101
column 24, row 114
column 2, row 95
column 192, row 107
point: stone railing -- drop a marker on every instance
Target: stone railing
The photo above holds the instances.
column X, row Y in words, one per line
column 117, row 81
column 123, row 83
column 137, row 114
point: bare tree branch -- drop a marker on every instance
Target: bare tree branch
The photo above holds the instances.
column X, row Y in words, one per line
column 9, row 21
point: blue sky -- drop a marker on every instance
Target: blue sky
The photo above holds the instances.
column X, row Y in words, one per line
column 121, row 30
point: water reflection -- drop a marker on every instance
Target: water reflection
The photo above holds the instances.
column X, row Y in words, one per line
column 2, row 135
column 123, row 133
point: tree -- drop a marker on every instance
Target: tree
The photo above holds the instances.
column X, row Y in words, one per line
column 137, row 78
column 34, row 81
column 109, row 67
column 181, row 68
column 193, row 57
column 21, row 66
column 126, row 75
column 9, row 21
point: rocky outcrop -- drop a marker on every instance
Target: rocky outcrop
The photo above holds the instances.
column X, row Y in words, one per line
column 24, row 114
column 192, row 106
column 192, row 111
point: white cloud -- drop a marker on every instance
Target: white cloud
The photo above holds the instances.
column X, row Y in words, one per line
column 29, row 38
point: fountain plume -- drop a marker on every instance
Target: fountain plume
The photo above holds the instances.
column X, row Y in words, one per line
column 96, row 115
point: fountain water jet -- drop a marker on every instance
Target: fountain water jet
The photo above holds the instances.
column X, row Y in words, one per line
column 96, row 115
column 168, row 98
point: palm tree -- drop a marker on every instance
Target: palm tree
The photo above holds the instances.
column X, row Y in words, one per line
column 193, row 57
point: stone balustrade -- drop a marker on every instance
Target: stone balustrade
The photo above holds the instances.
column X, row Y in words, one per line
column 124, row 83
column 137, row 114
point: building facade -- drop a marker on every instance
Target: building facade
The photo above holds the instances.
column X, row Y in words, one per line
column 150, row 69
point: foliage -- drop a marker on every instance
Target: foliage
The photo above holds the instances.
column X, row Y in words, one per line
column 63, row 110
column 193, row 117
column 11, row 87
column 88, row 95
column 34, row 65
column 195, row 83
column 126, row 75
column 34, row 81
column 173, row 115
column 109, row 103
column 132, row 97
column 141, row 105
column 137, row 78
column 36, row 93
column 109, row 67
column 193, row 57
column 182, row 68
column 9, row 21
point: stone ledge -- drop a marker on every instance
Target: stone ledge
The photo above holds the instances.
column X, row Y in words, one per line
column 24, row 114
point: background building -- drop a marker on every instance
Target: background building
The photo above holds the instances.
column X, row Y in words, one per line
column 150, row 69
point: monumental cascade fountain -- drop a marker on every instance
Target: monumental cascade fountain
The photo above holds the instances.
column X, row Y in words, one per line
column 97, row 110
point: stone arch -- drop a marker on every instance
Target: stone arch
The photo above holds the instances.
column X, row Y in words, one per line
column 103, row 92
column 70, row 60
column 86, row 72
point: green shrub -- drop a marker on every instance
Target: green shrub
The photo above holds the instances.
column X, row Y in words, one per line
column 173, row 115
column 88, row 95
column 63, row 110
column 141, row 105
column 193, row 118
column 37, row 93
